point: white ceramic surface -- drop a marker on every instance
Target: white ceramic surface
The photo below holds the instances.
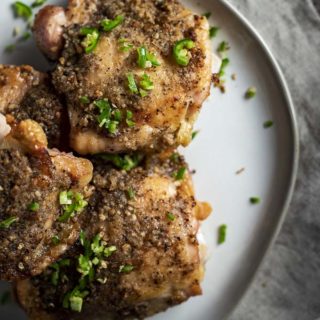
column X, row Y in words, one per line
column 231, row 137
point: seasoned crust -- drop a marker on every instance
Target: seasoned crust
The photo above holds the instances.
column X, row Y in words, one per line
column 31, row 179
column 15, row 83
column 28, row 94
column 164, row 252
column 165, row 117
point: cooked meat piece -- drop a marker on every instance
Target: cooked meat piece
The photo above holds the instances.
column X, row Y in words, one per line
column 28, row 94
column 15, row 83
column 34, row 228
column 140, row 253
column 51, row 20
column 120, row 100
column 49, row 40
column 4, row 127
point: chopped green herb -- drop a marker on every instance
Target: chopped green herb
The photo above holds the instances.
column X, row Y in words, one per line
column 96, row 246
column 76, row 303
column 85, row 243
column 84, row 265
column 74, row 299
column 78, row 202
column 175, row 157
column 143, row 93
column 142, row 57
column 255, row 200
column 117, row 115
column 213, row 31
column 82, row 238
column 95, row 261
column 181, row 53
column 251, row 93
column 222, row 234
column 5, row 297
column 180, row 174
column 132, row 83
column 25, row 36
column 84, row 100
column 55, row 276
column 5, row 224
column 151, row 58
column 64, row 263
column 225, row 62
column 65, row 197
column 194, row 134
column 207, row 15
column 125, row 162
column 105, row 112
column 9, row 48
column 125, row 45
column 72, row 203
column 91, row 39
column 126, row 268
column 146, row 83
column 129, row 120
column 146, row 59
column 109, row 25
column 131, row 193
column 55, row 240
column 171, row 216
column 113, row 127
column 223, row 47
column 268, row 124
column 38, row 3
column 22, row 10
column 109, row 118
column 33, row 206
column 109, row 251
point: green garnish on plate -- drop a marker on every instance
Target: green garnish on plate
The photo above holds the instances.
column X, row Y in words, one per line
column 222, row 234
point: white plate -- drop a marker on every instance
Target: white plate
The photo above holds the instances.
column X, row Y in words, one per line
column 232, row 137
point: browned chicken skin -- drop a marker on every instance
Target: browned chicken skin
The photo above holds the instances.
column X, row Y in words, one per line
column 31, row 179
column 160, row 117
column 28, row 94
column 148, row 221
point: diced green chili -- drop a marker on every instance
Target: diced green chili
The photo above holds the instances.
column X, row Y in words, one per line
column 22, row 10
column 38, row 3
column 222, row 234
column 5, row 224
column 181, row 53
column 109, row 25
column 132, row 83
column 91, row 39
column 213, row 31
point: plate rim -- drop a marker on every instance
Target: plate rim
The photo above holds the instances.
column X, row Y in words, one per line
column 290, row 109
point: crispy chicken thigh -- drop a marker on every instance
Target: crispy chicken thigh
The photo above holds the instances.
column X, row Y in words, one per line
column 138, row 255
column 135, row 73
column 28, row 94
column 34, row 231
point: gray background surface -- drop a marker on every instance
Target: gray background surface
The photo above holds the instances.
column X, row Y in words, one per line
column 288, row 284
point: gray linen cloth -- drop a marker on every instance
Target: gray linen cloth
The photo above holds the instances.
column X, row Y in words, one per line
column 288, row 284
